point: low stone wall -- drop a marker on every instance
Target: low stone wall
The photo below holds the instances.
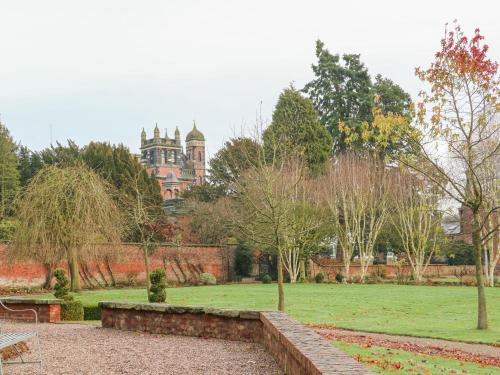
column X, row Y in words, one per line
column 297, row 349
column 48, row 311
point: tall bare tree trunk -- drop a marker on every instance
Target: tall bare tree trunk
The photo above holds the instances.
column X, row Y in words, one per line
column 482, row 314
column 73, row 270
column 146, row 262
column 303, row 276
column 281, row 291
column 48, row 275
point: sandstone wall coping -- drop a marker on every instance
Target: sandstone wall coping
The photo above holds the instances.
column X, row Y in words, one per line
column 30, row 301
column 184, row 309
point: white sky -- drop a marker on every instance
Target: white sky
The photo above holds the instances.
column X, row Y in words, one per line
column 101, row 70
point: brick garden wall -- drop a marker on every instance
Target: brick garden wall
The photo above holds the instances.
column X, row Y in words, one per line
column 182, row 264
column 330, row 267
column 48, row 311
column 297, row 349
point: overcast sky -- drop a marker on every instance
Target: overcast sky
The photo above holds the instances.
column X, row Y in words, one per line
column 102, row 70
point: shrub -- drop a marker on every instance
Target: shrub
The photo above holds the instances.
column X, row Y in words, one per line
column 244, row 259
column 158, row 291
column 459, row 252
column 131, row 278
column 207, row 279
column 61, row 289
column 7, row 229
column 469, row 281
column 91, row 313
column 266, row 279
column 339, row 277
column 72, row 310
column 319, row 278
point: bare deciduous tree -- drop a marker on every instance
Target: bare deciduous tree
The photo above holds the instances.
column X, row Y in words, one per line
column 416, row 218
column 356, row 192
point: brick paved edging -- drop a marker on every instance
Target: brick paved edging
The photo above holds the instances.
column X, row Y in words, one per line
column 48, row 310
column 297, row 349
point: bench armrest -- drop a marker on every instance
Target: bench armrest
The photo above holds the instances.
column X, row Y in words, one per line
column 2, row 304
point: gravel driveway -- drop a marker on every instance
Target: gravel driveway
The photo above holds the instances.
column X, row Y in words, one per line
column 75, row 349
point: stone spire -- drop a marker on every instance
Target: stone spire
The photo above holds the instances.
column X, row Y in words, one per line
column 177, row 135
column 157, row 131
column 143, row 136
column 166, row 133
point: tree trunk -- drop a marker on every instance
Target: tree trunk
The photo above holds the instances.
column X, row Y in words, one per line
column 146, row 262
column 48, row 276
column 281, row 291
column 110, row 271
column 482, row 315
column 73, row 270
column 303, row 276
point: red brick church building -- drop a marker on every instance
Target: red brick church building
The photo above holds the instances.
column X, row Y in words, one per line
column 175, row 169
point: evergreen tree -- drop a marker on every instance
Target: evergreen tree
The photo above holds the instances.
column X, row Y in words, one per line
column 29, row 163
column 296, row 131
column 344, row 96
column 9, row 174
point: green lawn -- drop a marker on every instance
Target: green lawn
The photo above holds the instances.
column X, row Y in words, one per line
column 389, row 361
column 442, row 312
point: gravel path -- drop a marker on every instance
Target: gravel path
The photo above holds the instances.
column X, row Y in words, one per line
column 81, row 349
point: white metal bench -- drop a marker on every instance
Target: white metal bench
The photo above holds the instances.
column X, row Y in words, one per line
column 13, row 339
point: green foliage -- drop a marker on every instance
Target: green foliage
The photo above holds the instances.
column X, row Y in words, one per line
column 120, row 168
column 296, row 132
column 7, row 229
column 207, row 192
column 458, row 252
column 230, row 161
column 29, row 163
column 9, row 174
column 71, row 311
column 339, row 277
column 208, row 279
column 91, row 313
column 343, row 94
column 158, row 292
column 244, row 259
column 393, row 99
column 61, row 288
column 266, row 279
column 319, row 278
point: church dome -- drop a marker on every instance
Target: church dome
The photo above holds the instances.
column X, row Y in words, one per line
column 195, row 135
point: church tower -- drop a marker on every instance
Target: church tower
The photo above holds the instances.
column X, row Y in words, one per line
column 195, row 152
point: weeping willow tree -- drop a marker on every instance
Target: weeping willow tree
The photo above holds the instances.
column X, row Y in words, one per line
column 63, row 213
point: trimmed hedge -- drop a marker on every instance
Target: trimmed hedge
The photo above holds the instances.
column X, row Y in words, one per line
column 91, row 313
column 72, row 310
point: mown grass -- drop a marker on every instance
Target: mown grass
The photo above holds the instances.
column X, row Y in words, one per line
column 389, row 361
column 428, row 311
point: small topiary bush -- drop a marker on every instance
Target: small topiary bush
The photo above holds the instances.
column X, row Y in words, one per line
column 158, row 292
column 71, row 310
column 61, row 289
column 207, row 279
column 319, row 278
column 339, row 278
column 266, row 279
column 91, row 313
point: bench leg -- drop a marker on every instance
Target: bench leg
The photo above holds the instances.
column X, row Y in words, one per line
column 39, row 353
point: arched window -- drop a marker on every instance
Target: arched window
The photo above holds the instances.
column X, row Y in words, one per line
column 199, row 155
column 169, row 194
